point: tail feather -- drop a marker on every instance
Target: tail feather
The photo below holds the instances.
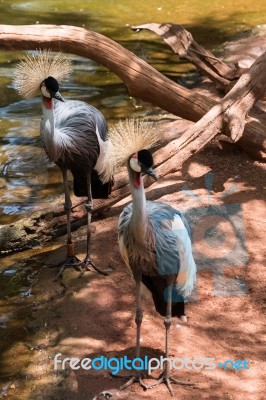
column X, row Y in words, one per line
column 80, row 185
column 158, row 288
column 99, row 190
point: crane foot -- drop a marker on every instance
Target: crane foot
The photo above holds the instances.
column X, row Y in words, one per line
column 167, row 380
column 86, row 267
column 135, row 378
column 70, row 262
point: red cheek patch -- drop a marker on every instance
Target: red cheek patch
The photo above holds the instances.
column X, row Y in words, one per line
column 137, row 180
column 48, row 103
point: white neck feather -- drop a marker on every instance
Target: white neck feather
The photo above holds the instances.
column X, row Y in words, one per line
column 48, row 128
column 139, row 211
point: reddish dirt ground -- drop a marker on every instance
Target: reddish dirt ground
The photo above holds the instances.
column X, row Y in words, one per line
column 94, row 315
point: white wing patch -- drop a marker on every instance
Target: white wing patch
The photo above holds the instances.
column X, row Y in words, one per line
column 103, row 166
column 187, row 272
column 123, row 251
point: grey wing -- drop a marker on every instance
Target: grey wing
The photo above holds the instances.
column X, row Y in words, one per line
column 173, row 245
column 78, row 113
column 76, row 132
column 94, row 116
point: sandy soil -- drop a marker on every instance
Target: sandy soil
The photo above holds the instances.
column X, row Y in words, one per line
column 94, row 315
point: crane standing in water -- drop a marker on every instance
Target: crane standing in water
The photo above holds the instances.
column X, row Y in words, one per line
column 75, row 137
column 154, row 241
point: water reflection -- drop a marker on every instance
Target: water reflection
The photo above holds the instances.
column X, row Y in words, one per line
column 25, row 180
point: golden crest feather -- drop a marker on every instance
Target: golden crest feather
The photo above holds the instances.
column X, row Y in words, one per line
column 128, row 137
column 36, row 67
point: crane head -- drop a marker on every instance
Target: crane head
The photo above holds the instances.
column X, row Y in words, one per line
column 142, row 161
column 50, row 89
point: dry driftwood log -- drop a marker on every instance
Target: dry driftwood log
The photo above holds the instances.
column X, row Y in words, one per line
column 224, row 76
column 228, row 116
column 182, row 43
column 142, row 81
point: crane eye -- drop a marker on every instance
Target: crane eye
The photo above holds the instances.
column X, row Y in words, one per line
column 134, row 164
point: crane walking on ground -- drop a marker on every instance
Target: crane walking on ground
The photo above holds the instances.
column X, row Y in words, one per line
column 75, row 137
column 154, row 241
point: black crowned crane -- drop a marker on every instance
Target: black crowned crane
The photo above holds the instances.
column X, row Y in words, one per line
column 75, row 137
column 154, row 241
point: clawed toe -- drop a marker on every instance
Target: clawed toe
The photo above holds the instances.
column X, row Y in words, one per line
column 86, row 267
column 167, row 380
column 134, row 378
column 80, row 266
column 70, row 262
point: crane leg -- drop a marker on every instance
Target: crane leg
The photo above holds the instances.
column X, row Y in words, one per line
column 72, row 260
column 165, row 376
column 138, row 376
column 87, row 261
column 68, row 206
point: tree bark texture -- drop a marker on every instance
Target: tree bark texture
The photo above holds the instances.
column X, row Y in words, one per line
column 142, row 80
column 182, row 43
column 229, row 116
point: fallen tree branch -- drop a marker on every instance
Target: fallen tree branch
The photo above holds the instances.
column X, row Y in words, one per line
column 228, row 117
column 229, row 114
column 141, row 80
column 182, row 43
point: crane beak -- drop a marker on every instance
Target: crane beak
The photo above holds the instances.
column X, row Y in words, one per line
column 150, row 171
column 58, row 96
